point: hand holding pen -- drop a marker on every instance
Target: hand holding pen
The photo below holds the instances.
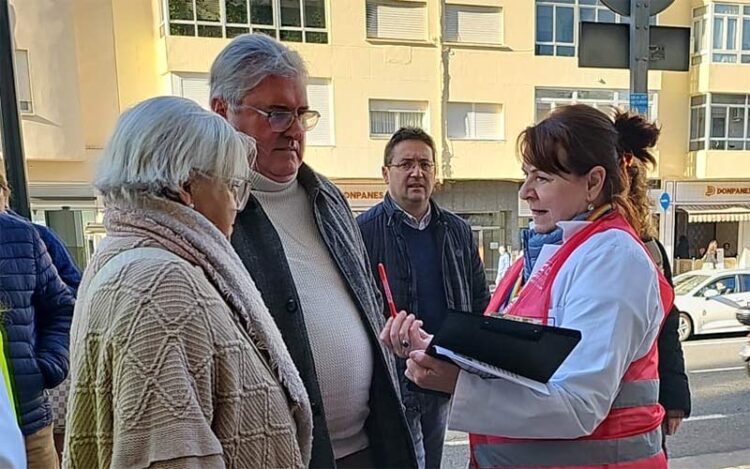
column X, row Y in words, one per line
column 402, row 330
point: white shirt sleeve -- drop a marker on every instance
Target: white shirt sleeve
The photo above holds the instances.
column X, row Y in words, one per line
column 12, row 446
column 608, row 290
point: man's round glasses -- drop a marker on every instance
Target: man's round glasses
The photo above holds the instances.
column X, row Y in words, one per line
column 408, row 166
column 281, row 120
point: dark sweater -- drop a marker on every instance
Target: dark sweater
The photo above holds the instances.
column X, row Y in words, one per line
column 424, row 256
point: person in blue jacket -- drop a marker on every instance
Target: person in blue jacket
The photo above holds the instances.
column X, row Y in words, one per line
column 38, row 312
column 61, row 258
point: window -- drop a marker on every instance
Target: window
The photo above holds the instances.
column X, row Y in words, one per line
column 731, row 33
column 389, row 20
column 195, row 86
column 23, row 82
column 684, row 284
column 557, row 23
column 728, row 125
column 192, row 86
column 478, row 25
column 697, row 123
column 386, row 117
column 699, row 44
column 548, row 99
column 745, row 282
column 287, row 20
column 724, row 285
column 472, row 121
column 319, row 99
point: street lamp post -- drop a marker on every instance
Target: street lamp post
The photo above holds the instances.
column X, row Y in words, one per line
column 15, row 167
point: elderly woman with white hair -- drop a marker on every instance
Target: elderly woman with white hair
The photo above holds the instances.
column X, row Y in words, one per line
column 175, row 360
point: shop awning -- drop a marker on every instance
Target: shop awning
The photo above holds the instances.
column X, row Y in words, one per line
column 716, row 213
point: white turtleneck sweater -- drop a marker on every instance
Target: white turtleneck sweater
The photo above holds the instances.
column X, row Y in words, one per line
column 338, row 338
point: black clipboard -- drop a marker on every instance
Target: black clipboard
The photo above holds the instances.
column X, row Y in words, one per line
column 530, row 350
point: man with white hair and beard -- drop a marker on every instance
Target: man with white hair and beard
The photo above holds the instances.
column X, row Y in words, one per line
column 300, row 243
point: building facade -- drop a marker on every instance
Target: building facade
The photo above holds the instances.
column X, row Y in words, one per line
column 473, row 73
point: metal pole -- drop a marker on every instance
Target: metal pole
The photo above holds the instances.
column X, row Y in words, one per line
column 639, row 41
column 15, row 168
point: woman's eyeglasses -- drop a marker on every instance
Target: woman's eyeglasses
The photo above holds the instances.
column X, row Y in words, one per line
column 240, row 188
column 281, row 120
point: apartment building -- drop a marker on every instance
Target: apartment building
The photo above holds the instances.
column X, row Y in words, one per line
column 474, row 73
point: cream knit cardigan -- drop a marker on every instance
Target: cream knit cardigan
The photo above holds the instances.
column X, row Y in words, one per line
column 178, row 363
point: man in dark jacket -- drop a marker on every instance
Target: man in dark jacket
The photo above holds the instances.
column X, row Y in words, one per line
column 39, row 310
column 299, row 241
column 71, row 277
column 674, row 389
column 432, row 262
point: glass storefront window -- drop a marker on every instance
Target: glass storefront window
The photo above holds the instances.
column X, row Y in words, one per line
column 70, row 225
column 490, row 231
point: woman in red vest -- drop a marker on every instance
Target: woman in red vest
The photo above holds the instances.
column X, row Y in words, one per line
column 584, row 267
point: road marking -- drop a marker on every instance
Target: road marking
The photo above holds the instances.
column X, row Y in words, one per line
column 716, row 370
column 699, row 343
column 707, row 417
column 456, row 443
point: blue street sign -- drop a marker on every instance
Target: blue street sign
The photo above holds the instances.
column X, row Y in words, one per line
column 665, row 200
column 639, row 102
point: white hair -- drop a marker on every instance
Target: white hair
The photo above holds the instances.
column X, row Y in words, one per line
column 246, row 61
column 158, row 143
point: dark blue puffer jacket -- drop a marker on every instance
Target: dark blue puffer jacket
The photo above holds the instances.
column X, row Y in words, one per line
column 38, row 311
column 61, row 258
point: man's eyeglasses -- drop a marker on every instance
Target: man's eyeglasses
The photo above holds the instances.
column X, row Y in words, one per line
column 409, row 165
column 281, row 120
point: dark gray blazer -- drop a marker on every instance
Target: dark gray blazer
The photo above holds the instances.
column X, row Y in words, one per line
column 260, row 249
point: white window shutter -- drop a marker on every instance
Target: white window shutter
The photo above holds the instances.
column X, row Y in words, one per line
column 475, row 121
column 396, row 21
column 23, row 81
column 386, row 116
column 196, row 88
column 488, row 122
column 479, row 25
column 319, row 99
column 458, row 120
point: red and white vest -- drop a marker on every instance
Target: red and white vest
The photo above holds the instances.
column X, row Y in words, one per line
column 630, row 435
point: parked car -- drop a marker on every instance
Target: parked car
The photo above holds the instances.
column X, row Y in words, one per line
column 709, row 301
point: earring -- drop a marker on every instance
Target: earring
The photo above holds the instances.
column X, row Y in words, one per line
column 590, row 207
column 191, row 205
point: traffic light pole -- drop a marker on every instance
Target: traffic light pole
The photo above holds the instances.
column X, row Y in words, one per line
column 639, row 41
column 639, row 55
column 15, row 167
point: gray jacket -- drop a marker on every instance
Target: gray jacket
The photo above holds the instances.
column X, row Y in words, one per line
column 260, row 249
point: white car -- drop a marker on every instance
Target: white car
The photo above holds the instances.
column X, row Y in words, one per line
column 708, row 300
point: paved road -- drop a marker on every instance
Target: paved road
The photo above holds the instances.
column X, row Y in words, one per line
column 718, row 433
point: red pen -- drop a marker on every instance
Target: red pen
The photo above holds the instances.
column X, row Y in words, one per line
column 387, row 289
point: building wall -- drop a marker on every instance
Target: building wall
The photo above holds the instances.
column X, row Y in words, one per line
column 54, row 130
column 98, row 57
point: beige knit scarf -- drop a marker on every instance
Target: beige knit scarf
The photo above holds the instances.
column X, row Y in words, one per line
column 188, row 234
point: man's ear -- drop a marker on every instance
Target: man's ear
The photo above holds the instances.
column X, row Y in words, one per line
column 219, row 106
column 386, row 175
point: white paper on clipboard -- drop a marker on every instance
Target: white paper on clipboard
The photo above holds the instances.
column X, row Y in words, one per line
column 488, row 371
